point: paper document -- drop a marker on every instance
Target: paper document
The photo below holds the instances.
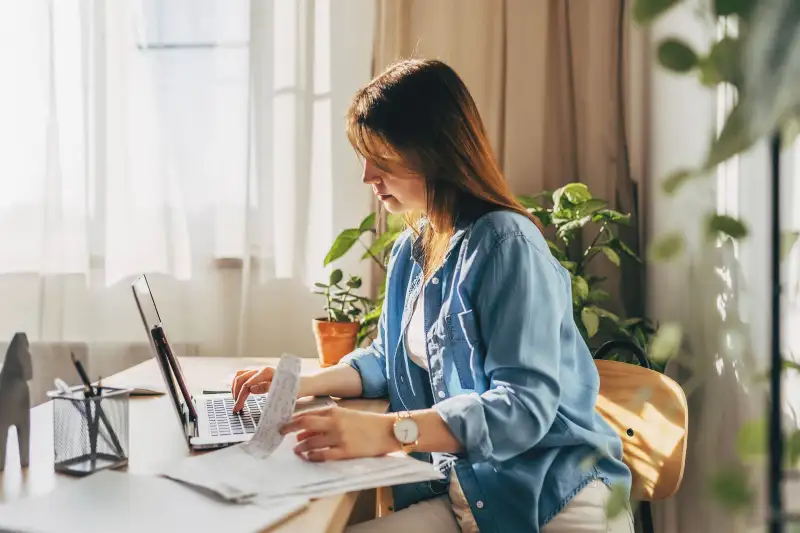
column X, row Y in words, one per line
column 127, row 503
column 278, row 408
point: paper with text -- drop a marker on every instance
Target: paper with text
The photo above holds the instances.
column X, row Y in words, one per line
column 278, row 408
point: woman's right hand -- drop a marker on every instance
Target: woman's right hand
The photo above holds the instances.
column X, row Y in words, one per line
column 247, row 382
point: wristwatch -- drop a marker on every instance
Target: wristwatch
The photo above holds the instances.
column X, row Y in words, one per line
column 406, row 431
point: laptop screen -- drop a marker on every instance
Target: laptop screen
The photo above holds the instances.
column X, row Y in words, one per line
column 171, row 370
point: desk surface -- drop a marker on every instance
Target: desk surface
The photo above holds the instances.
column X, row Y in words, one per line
column 156, row 438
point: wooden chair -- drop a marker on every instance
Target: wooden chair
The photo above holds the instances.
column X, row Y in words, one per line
column 650, row 413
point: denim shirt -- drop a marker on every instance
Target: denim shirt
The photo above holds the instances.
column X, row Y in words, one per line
column 509, row 373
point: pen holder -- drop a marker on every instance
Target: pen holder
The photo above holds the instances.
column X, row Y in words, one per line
column 90, row 433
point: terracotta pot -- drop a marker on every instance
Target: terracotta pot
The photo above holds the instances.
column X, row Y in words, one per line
column 334, row 340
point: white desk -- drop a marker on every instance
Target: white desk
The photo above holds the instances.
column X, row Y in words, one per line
column 156, row 439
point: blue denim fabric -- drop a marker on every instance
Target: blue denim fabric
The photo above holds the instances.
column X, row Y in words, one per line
column 509, row 373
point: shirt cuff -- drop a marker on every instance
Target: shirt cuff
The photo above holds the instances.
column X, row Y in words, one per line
column 464, row 415
column 369, row 366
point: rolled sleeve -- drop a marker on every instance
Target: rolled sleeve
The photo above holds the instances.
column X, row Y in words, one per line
column 370, row 363
column 371, row 366
column 521, row 304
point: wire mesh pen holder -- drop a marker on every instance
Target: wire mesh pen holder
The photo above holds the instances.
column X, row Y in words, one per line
column 90, row 433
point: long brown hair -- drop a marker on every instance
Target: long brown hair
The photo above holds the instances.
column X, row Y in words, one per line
column 420, row 113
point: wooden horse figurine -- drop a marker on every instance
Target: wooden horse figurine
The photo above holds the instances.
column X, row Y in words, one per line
column 15, row 399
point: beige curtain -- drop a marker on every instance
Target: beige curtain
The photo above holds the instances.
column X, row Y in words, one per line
column 546, row 76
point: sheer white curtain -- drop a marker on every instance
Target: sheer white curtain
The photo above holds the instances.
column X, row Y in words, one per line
column 199, row 141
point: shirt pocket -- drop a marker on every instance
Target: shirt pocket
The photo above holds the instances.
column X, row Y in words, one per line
column 462, row 340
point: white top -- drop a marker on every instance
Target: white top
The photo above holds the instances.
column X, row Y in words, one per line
column 415, row 334
column 415, row 347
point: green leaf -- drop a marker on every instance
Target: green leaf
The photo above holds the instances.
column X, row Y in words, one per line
column 557, row 252
column 590, row 320
column 731, row 488
column 573, row 225
column 609, row 215
column 666, row 342
column 342, row 245
column 788, row 238
column 676, row 55
column 612, row 255
column 793, row 448
column 589, row 207
column 598, row 296
column 368, row 223
column 674, row 181
column 618, row 501
column 354, row 282
column 631, row 322
column 569, row 265
column 604, row 313
column 384, row 241
column 735, row 138
column 723, row 64
column 320, row 285
column 726, row 225
column 580, row 288
column 626, row 250
column 646, row 11
column 667, row 247
column 789, row 131
column 530, row 202
column 576, row 193
column 724, row 8
column 336, row 276
column 751, row 439
column 339, row 316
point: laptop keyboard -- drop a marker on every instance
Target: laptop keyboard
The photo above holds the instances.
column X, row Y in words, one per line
column 224, row 422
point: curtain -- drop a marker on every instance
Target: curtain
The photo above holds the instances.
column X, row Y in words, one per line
column 198, row 141
column 551, row 80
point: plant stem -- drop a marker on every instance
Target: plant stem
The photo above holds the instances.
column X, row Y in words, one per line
column 374, row 258
column 585, row 260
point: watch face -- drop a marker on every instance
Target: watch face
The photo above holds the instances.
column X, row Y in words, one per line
column 406, row 431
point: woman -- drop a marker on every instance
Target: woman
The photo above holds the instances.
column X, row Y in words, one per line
column 486, row 373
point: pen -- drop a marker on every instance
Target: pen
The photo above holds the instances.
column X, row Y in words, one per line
column 90, row 391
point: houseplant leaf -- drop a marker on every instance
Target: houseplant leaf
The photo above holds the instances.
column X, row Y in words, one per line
column 667, row 247
column 666, row 342
column 612, row 255
column 676, row 55
column 731, row 488
column 395, row 223
column 609, row 215
column 342, row 245
column 573, row 225
column 336, row 277
column 726, row 225
column 674, row 181
column 735, row 137
column 368, row 223
column 580, row 288
column 574, row 193
column 589, row 207
column 723, row 63
column 751, row 439
column 590, row 320
column 384, row 241
column 724, row 8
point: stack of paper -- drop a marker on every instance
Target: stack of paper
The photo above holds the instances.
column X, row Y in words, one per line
column 266, row 469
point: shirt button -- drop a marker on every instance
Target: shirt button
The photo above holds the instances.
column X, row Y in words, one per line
column 441, row 394
column 479, row 504
column 435, row 281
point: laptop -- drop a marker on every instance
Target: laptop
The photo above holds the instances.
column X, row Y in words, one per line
column 207, row 420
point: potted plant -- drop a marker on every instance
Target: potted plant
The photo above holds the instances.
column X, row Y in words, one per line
column 337, row 331
column 568, row 210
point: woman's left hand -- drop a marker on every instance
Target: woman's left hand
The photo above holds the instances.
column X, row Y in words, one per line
column 337, row 433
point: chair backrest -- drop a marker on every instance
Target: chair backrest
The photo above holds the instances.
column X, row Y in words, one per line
column 649, row 411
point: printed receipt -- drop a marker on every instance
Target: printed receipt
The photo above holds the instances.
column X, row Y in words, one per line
column 278, row 408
